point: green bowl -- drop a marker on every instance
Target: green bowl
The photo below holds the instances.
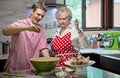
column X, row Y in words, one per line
column 44, row 64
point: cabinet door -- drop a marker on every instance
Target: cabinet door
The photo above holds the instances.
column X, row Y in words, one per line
column 2, row 64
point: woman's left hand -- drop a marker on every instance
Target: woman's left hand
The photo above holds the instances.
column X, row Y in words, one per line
column 76, row 23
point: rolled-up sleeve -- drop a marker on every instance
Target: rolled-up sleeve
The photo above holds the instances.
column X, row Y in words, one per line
column 84, row 42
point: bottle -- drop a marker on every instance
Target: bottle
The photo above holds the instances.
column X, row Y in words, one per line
column 95, row 43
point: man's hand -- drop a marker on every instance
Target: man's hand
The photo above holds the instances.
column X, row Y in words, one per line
column 34, row 28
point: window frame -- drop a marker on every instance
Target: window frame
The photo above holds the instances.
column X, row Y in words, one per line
column 107, row 19
column 84, row 18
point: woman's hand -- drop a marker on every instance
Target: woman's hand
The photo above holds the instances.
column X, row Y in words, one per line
column 76, row 23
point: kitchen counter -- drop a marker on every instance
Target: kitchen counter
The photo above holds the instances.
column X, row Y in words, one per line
column 87, row 50
column 92, row 72
column 95, row 54
column 3, row 56
column 27, row 76
column 99, row 51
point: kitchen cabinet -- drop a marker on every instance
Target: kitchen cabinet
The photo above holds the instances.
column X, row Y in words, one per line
column 111, row 62
column 95, row 57
column 105, row 59
column 2, row 64
column 3, row 58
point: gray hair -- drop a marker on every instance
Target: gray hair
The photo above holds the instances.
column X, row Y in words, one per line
column 65, row 10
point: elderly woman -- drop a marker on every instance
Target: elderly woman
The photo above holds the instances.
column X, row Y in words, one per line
column 69, row 38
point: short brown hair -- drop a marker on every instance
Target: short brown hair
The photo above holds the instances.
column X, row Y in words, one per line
column 40, row 5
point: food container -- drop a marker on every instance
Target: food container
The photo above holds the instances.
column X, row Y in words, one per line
column 44, row 64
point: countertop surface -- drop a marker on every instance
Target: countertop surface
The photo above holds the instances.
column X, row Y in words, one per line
column 87, row 50
column 99, row 51
column 3, row 56
column 91, row 72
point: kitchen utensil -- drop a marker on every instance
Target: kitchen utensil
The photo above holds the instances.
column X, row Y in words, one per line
column 10, row 74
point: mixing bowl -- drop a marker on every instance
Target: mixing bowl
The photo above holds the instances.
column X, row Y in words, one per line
column 44, row 64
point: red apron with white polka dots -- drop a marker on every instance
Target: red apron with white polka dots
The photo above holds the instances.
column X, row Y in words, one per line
column 63, row 48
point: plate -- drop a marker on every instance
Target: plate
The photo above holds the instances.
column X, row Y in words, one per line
column 91, row 62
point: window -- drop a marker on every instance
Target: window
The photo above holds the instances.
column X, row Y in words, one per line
column 96, row 14
column 76, row 8
column 93, row 13
column 87, row 11
column 116, row 13
column 106, row 14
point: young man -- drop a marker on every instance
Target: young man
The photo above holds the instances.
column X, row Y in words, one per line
column 28, row 39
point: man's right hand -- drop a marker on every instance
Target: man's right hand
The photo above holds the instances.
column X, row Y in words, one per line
column 10, row 30
column 34, row 28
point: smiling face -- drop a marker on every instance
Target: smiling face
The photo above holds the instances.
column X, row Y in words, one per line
column 37, row 15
